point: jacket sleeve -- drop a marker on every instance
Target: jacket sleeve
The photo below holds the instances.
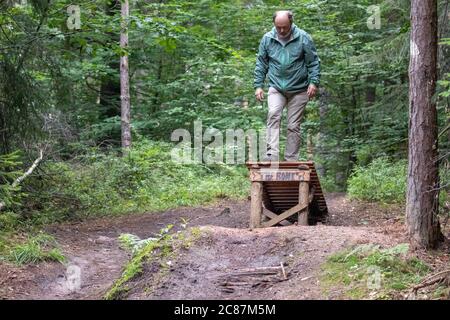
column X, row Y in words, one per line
column 312, row 60
column 262, row 65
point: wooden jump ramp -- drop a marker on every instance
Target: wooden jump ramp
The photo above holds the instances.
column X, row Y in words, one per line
column 290, row 191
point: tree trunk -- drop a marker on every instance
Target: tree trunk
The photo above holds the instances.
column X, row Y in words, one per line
column 371, row 90
column 323, row 106
column 124, row 79
column 309, row 146
column 110, row 84
column 423, row 178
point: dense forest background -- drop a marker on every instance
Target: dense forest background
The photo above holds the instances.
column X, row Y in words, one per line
column 194, row 60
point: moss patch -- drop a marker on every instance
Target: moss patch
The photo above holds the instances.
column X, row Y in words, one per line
column 368, row 272
column 155, row 256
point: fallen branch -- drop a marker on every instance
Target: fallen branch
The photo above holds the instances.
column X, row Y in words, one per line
column 435, row 278
column 252, row 278
column 29, row 171
column 25, row 175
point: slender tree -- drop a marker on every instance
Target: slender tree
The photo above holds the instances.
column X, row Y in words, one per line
column 124, row 78
column 423, row 178
column 110, row 83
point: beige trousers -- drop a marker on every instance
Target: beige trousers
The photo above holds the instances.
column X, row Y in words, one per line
column 296, row 103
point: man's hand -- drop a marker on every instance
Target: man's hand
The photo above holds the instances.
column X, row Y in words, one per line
column 312, row 90
column 259, row 94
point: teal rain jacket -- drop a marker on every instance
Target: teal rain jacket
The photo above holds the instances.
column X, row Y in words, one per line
column 291, row 67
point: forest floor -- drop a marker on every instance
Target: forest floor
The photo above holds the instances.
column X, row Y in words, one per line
column 226, row 249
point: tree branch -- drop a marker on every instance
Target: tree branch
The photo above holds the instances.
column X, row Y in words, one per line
column 25, row 175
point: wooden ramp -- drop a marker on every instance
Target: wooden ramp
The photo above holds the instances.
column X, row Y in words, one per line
column 285, row 188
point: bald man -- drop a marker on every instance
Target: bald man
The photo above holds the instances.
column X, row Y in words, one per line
column 288, row 56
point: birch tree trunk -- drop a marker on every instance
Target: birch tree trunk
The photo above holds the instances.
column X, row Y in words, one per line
column 124, row 79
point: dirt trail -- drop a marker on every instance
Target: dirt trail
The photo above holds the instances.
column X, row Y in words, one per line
column 93, row 252
column 203, row 271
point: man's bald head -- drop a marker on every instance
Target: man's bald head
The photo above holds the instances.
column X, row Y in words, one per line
column 283, row 15
column 283, row 22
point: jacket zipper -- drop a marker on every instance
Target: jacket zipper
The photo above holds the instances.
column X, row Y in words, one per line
column 283, row 71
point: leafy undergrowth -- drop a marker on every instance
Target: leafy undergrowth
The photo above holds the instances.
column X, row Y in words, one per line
column 368, row 272
column 98, row 184
column 30, row 250
column 382, row 180
column 159, row 251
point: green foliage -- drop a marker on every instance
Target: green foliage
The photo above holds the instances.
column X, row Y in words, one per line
column 445, row 84
column 9, row 221
column 328, row 184
column 191, row 60
column 146, row 180
column 133, row 269
column 9, row 172
column 36, row 249
column 444, row 194
column 382, row 180
column 367, row 271
column 133, row 243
